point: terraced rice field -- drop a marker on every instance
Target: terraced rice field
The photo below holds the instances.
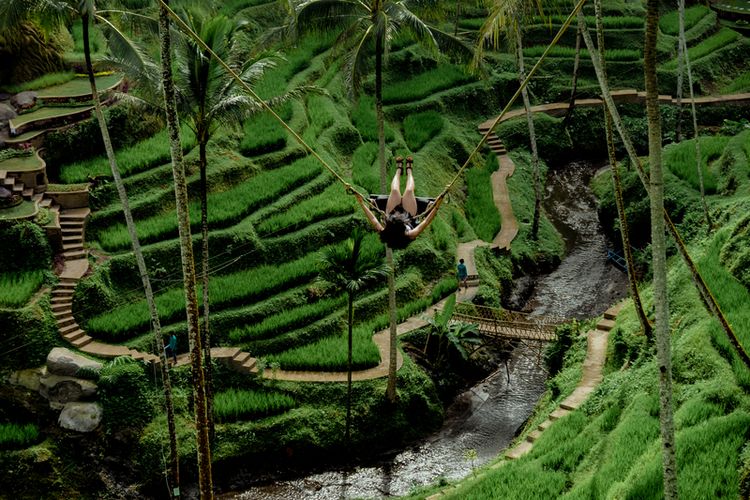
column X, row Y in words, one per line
column 80, row 86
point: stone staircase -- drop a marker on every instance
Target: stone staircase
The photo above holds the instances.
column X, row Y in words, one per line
column 72, row 223
column 15, row 186
column 232, row 357
column 592, row 374
column 495, row 144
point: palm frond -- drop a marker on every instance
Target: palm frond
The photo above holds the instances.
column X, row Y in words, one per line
column 128, row 55
column 323, row 15
column 356, row 62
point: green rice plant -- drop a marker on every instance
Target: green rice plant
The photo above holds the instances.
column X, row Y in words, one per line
column 363, row 118
column 365, row 171
column 233, row 405
column 609, row 22
column 284, row 320
column 330, row 353
column 669, row 23
column 332, row 202
column 224, row 208
column 719, row 40
column 423, row 85
column 136, row 158
column 680, row 159
column 739, row 84
column 322, row 112
column 263, row 133
column 97, row 42
column 47, row 80
column 225, row 291
column 421, row 127
column 471, row 24
column 16, row 288
column 480, row 203
column 18, row 435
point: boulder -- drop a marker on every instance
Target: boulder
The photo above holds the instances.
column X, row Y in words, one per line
column 6, row 112
column 24, row 100
column 60, row 389
column 63, row 361
column 80, row 417
column 28, row 378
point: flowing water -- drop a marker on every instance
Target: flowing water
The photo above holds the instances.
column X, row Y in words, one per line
column 485, row 418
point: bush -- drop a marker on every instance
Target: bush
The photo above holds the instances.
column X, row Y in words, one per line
column 553, row 141
column 123, row 393
column 18, row 435
column 27, row 335
column 24, row 247
column 421, row 127
column 555, row 352
column 236, row 404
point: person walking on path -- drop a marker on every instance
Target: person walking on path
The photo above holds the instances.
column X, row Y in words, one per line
column 463, row 275
column 171, row 348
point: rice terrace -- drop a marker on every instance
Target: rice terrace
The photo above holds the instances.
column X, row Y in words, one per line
column 348, row 249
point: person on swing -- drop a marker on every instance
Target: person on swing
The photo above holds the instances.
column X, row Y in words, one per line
column 400, row 225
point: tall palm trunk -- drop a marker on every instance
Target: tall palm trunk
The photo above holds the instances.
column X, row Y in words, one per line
column 140, row 262
column 390, row 390
column 205, row 332
column 658, row 246
column 349, row 369
column 680, row 69
column 532, row 139
column 703, row 290
column 698, row 160
column 205, row 481
column 619, row 202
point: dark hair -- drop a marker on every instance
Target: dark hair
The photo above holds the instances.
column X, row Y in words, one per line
column 394, row 232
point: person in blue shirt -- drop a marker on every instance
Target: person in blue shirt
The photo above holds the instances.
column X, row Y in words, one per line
column 463, row 275
column 171, row 348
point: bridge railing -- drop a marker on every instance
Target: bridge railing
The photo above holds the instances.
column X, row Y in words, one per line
column 505, row 323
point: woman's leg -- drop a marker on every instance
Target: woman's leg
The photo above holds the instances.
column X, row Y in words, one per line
column 394, row 198
column 409, row 201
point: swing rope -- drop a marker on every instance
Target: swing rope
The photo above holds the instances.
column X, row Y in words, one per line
column 349, row 188
column 512, row 100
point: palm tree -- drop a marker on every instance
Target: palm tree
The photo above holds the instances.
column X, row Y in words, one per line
column 659, row 258
column 205, row 481
column 55, row 13
column 208, row 98
column 351, row 268
column 507, row 18
column 619, row 202
column 361, row 25
column 449, row 334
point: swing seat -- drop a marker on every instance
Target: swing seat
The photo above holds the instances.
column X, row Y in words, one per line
column 381, row 201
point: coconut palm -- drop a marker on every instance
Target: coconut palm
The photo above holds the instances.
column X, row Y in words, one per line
column 450, row 335
column 364, row 26
column 351, row 268
column 619, row 202
column 506, row 20
column 205, row 482
column 659, row 256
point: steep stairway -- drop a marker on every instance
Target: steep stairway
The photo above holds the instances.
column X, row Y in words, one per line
column 72, row 223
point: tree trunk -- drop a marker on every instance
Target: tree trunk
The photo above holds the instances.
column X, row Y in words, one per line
column 698, row 160
column 174, row 479
column 349, row 373
column 680, row 69
column 574, row 83
column 205, row 482
column 700, row 284
column 390, row 391
column 658, row 246
column 205, row 332
column 380, row 117
column 620, row 203
column 532, row 140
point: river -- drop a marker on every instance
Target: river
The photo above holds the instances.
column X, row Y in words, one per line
column 483, row 420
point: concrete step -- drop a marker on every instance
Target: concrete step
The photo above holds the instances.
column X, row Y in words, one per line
column 558, row 413
column 17, row 189
column 544, row 425
column 3, row 174
column 249, row 365
column 75, row 335
column 240, row 358
column 71, row 239
column 61, row 301
column 45, row 203
column 72, row 231
column 9, row 181
column 63, row 291
column 81, row 341
column 66, row 283
column 518, row 451
column 533, row 435
column 61, row 314
column 224, row 352
column 69, row 328
column 37, row 197
column 75, row 214
column 61, row 307
column 65, row 321
column 73, row 255
column 70, row 224
column 605, row 325
column 28, row 193
column 72, row 246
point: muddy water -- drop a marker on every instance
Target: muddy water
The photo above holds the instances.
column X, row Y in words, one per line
column 486, row 417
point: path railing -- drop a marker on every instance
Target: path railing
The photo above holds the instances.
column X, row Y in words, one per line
column 507, row 325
